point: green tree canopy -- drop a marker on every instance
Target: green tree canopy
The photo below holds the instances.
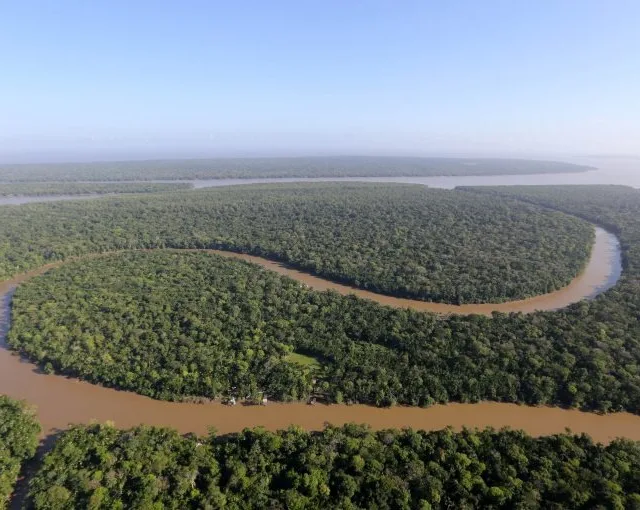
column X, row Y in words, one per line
column 19, row 431
column 341, row 467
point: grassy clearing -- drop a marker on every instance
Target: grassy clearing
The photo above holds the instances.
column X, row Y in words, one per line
column 304, row 360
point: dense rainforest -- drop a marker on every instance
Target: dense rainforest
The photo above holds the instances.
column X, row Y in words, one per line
column 169, row 325
column 86, row 188
column 337, row 166
column 583, row 356
column 18, row 441
column 405, row 240
column 99, row 467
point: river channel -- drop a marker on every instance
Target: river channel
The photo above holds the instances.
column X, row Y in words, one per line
column 61, row 401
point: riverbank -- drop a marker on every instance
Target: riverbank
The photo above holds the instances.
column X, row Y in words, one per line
column 61, row 401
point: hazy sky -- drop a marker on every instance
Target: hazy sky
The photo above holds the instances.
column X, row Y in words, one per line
column 303, row 77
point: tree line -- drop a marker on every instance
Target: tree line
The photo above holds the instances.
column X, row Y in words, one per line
column 350, row 467
column 336, row 166
column 86, row 188
column 19, row 431
column 407, row 241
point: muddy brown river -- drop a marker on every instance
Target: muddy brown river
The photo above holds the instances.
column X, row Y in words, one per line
column 61, row 401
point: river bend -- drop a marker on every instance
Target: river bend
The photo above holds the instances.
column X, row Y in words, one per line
column 602, row 271
column 61, row 401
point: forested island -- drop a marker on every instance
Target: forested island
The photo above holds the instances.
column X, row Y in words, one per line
column 243, row 168
column 402, row 240
column 100, row 467
column 19, row 431
column 86, row 188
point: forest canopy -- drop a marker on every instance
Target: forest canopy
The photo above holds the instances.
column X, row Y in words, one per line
column 350, row 467
column 402, row 240
column 18, row 441
column 85, row 314
column 337, row 166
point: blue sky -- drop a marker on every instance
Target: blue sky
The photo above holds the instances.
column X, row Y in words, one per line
column 309, row 77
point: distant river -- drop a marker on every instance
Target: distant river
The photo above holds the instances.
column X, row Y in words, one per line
column 610, row 171
column 625, row 172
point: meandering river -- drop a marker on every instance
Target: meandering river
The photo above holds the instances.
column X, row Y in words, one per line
column 61, row 401
column 600, row 274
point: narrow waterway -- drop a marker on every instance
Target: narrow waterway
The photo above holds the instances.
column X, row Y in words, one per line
column 61, row 401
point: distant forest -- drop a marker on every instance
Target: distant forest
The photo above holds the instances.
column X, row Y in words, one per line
column 352, row 166
column 86, row 188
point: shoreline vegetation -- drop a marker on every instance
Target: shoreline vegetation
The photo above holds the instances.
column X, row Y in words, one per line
column 239, row 168
column 377, row 355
